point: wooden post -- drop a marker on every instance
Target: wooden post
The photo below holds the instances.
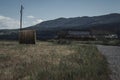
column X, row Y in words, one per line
column 21, row 14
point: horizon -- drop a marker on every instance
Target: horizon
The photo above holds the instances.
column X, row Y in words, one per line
column 36, row 11
column 63, row 17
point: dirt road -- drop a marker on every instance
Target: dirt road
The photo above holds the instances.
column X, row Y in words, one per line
column 112, row 54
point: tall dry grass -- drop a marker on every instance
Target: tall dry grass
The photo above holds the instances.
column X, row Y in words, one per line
column 48, row 61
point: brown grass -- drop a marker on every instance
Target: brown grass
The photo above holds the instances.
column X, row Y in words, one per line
column 47, row 61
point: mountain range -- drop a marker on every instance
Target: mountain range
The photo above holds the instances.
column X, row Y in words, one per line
column 108, row 23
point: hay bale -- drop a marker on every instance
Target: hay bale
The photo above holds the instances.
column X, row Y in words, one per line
column 27, row 36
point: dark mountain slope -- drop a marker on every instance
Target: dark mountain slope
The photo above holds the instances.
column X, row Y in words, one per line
column 48, row 29
column 79, row 23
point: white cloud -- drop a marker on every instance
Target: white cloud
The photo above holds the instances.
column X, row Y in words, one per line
column 8, row 23
column 31, row 17
column 37, row 21
column 32, row 20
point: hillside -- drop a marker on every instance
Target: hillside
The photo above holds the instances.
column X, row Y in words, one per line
column 109, row 21
column 47, row 29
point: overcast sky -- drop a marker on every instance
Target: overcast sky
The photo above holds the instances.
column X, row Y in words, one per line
column 36, row 11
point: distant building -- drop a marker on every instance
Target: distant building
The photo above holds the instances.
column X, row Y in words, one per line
column 111, row 36
column 79, row 34
column 87, row 35
column 104, row 34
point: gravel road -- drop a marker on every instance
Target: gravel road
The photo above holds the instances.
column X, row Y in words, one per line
column 112, row 54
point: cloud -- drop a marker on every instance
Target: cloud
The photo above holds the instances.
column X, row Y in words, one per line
column 30, row 17
column 32, row 20
column 11, row 23
column 8, row 23
column 37, row 21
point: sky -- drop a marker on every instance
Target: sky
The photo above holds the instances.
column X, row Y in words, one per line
column 37, row 11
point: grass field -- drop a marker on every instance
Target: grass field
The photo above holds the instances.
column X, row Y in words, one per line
column 48, row 61
column 102, row 42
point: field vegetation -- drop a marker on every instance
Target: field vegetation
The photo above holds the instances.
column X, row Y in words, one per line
column 99, row 42
column 50, row 61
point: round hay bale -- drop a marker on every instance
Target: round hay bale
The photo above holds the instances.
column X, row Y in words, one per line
column 27, row 36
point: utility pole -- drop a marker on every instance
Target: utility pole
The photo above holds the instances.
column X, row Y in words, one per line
column 26, row 36
column 21, row 14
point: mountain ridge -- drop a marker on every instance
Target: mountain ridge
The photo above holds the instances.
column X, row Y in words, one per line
column 104, row 23
column 77, row 22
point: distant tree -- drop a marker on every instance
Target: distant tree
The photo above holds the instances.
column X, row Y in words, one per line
column 62, row 34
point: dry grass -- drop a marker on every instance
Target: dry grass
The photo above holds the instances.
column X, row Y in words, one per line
column 47, row 61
